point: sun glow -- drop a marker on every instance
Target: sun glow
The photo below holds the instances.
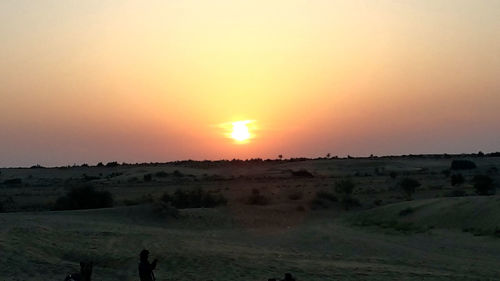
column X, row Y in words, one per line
column 240, row 131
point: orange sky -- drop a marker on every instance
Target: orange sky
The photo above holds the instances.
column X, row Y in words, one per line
column 140, row 81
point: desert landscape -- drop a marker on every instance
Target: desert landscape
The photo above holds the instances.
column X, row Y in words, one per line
column 264, row 218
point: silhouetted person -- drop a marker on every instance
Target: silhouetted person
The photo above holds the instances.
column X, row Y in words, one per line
column 146, row 268
column 84, row 275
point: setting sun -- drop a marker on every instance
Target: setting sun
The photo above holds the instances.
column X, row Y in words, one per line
column 240, row 131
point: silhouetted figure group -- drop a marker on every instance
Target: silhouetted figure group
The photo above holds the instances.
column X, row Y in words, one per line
column 145, row 270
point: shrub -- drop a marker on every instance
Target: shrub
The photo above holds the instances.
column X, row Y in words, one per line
column 327, row 196
column 195, row 198
column 456, row 193
column 296, row 195
column 141, row 200
column 257, row 199
column 148, row 177
column 112, row 164
column 462, row 165
column 13, row 182
column 393, row 175
column 484, row 185
column 344, row 187
column 406, row 211
column 165, row 209
column 1, row 208
column 408, row 186
column 457, row 179
column 302, row 174
column 85, row 197
column 161, row 174
column 178, row 174
column 349, row 202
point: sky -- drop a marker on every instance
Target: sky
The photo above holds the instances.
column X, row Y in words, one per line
column 154, row 81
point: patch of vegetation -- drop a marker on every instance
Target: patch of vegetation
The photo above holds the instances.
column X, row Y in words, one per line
column 456, row 193
column 177, row 174
column 462, row 165
column 345, row 189
column 302, row 174
column 165, row 209
column 295, row 195
column 161, row 174
column 323, row 200
column 16, row 181
column 141, row 200
column 483, row 185
column 399, row 226
column 457, row 179
column 112, row 164
column 256, row 198
column 148, row 177
column 408, row 186
column 195, row 198
column 85, row 197
column 406, row 212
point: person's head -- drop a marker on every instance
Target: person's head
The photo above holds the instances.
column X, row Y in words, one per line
column 144, row 255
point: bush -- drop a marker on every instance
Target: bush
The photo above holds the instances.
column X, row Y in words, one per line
column 257, row 199
column 349, row 202
column 327, row 196
column 195, row 198
column 85, row 197
column 344, row 187
column 457, row 179
column 161, row 174
column 302, row 174
column 296, row 195
column 148, row 177
column 13, row 182
column 408, row 186
column 393, row 175
column 406, row 211
column 484, row 185
column 165, row 209
column 462, row 165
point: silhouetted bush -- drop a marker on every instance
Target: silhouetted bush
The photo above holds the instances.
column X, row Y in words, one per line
column 257, row 199
column 327, row 196
column 1, row 208
column 85, row 197
column 462, row 165
column 393, row 175
column 148, row 177
column 302, row 174
column 165, row 209
column 457, row 179
column 295, row 195
column 456, row 193
column 161, row 174
column 13, row 182
column 141, row 200
column 344, row 187
column 406, row 211
column 408, row 186
column 323, row 200
column 350, row 202
column 484, row 185
column 195, row 198
column 178, row 174
column 112, row 164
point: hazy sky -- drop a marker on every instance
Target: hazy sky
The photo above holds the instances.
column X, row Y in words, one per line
column 140, row 81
